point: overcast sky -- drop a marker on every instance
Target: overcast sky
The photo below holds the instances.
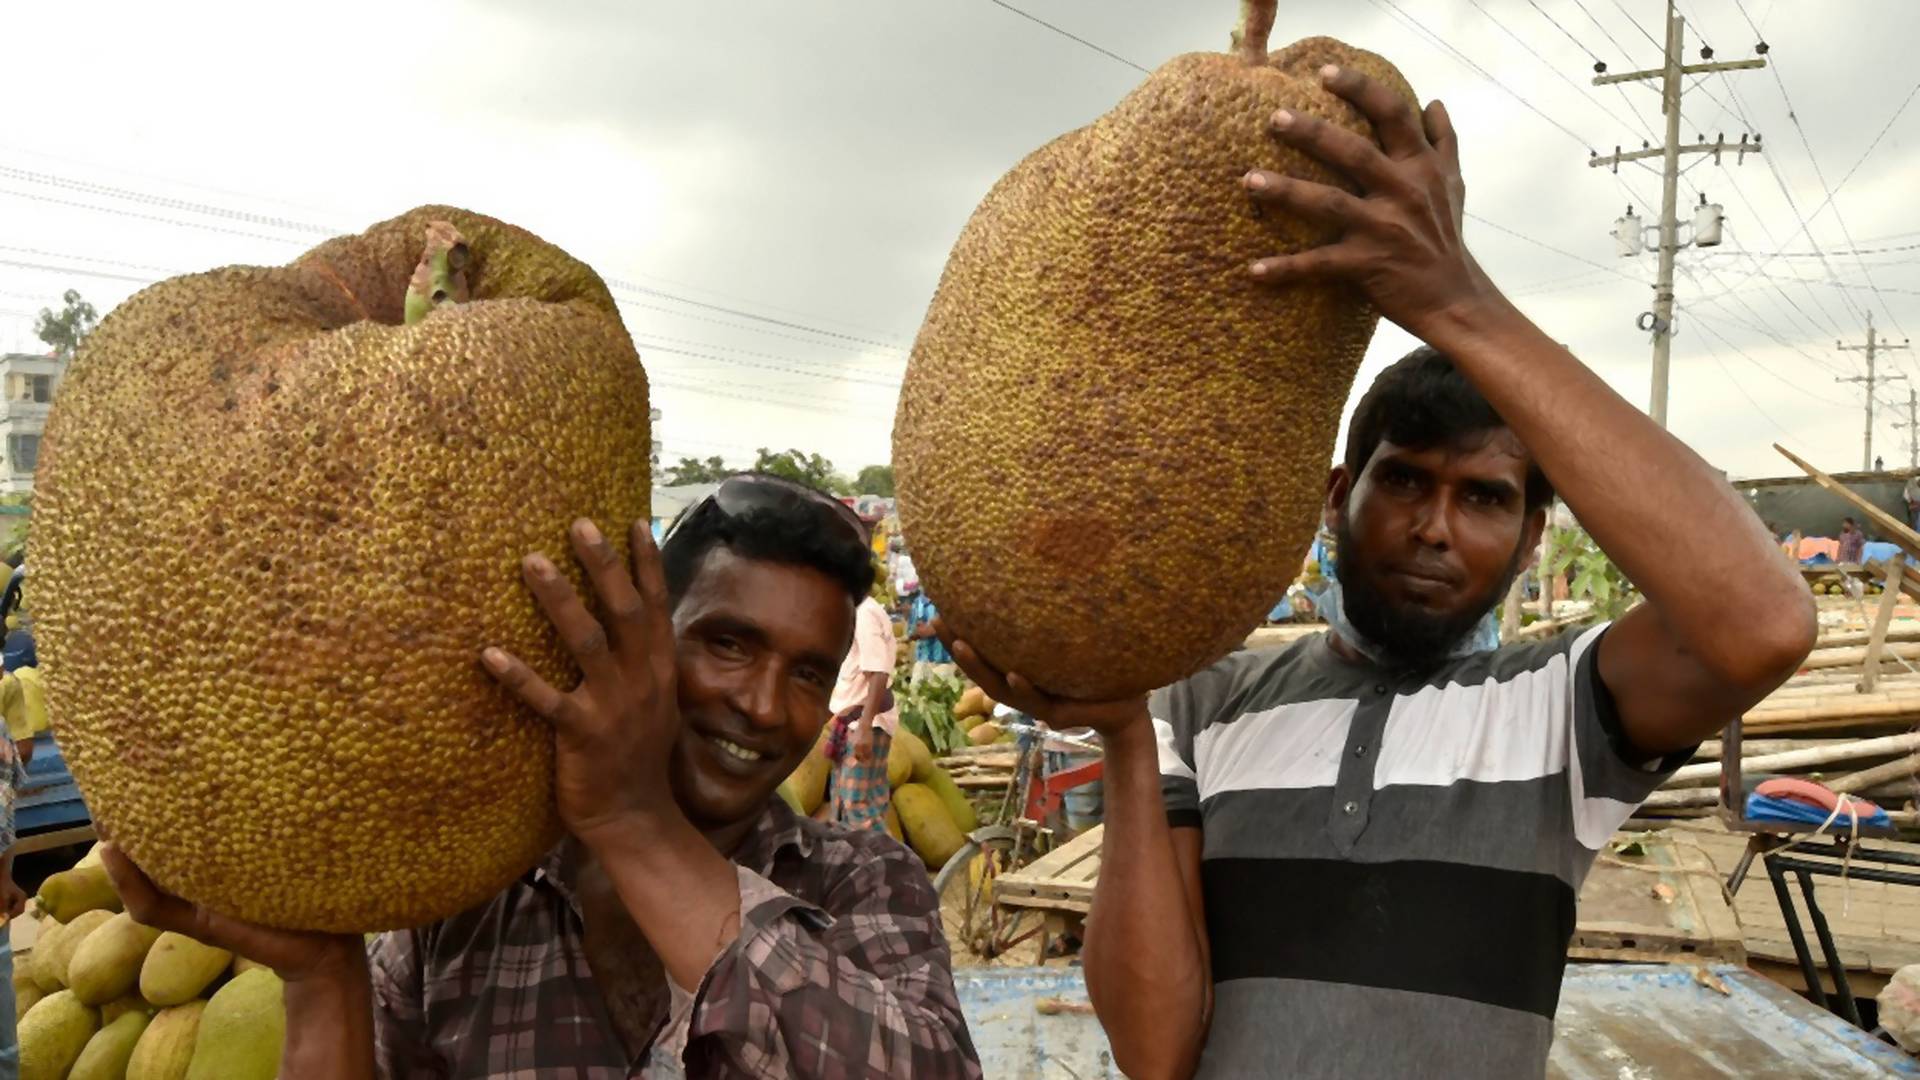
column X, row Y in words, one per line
column 777, row 185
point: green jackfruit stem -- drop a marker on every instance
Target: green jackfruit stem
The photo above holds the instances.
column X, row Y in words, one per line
column 441, row 277
column 1256, row 24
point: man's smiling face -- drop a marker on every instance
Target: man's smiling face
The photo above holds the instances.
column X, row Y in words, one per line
column 759, row 647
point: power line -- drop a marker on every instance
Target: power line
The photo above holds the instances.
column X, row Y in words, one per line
column 1658, row 46
column 136, row 215
column 626, row 286
column 1757, row 322
column 1577, row 43
column 1741, row 388
column 91, row 188
column 1832, row 325
column 1772, row 255
column 881, row 383
column 1862, row 159
column 77, row 271
column 1070, row 35
column 612, row 283
column 785, row 402
column 1394, row 9
column 1561, row 75
column 679, row 314
column 1619, row 50
column 1604, row 32
column 1742, row 8
column 124, row 265
column 893, row 364
column 1616, row 272
column 1820, row 175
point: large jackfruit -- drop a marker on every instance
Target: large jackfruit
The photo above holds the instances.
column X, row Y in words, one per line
column 351, row 496
column 1112, row 442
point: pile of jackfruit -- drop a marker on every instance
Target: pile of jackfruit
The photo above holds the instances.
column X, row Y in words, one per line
column 974, row 712
column 101, row 997
column 928, row 811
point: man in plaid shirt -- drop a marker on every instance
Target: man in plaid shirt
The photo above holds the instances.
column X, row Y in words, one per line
column 690, row 925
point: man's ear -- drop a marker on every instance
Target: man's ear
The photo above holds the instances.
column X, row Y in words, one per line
column 1530, row 537
column 1339, row 488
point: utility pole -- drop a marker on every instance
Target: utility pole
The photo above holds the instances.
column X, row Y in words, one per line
column 1912, row 427
column 1707, row 219
column 1872, row 348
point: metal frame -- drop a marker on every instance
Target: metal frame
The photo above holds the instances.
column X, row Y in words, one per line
column 1804, row 870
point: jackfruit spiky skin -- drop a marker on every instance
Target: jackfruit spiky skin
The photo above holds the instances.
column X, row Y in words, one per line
column 1112, row 442
column 290, row 725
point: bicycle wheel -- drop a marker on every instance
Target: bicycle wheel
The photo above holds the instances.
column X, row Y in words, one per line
column 965, row 886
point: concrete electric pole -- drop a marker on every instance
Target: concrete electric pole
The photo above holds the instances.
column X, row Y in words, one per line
column 1706, row 218
column 1912, row 427
column 1872, row 348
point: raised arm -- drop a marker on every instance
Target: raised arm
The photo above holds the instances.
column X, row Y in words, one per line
column 1699, row 652
column 1146, row 945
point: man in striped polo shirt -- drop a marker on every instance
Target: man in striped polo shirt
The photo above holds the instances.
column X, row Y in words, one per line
column 1358, row 856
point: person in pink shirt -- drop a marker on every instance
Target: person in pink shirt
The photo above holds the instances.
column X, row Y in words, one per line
column 864, row 721
column 1853, row 542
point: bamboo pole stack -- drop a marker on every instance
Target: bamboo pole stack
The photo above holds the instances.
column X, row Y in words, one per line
column 1821, row 725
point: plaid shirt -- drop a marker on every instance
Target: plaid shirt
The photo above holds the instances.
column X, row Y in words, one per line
column 841, row 969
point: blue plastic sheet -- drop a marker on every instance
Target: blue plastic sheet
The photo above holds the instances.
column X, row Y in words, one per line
column 1768, row 808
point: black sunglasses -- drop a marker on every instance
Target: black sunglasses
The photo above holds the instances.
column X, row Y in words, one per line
column 740, row 495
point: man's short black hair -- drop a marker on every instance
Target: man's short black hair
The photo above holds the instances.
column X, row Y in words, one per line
column 794, row 534
column 1423, row 401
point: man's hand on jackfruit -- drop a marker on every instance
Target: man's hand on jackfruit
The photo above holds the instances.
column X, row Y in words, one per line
column 294, row 955
column 1401, row 242
column 614, row 733
column 1060, row 714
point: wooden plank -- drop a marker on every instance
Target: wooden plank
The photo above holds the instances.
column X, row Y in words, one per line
column 1042, row 873
column 1043, row 903
column 1877, row 637
column 1063, row 879
column 1877, row 927
column 47, row 841
column 1666, row 899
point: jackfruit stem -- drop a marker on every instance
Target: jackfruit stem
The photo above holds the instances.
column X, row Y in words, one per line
column 441, row 276
column 1256, row 25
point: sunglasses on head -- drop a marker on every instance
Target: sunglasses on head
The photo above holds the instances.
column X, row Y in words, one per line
column 738, row 496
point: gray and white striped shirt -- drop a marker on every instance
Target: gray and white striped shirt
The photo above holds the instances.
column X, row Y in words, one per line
column 1390, row 860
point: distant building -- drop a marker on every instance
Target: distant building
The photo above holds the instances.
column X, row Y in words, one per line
column 29, row 382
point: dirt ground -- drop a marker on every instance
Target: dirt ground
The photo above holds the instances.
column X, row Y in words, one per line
column 1025, row 954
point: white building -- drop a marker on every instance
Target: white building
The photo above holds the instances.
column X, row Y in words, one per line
column 29, row 382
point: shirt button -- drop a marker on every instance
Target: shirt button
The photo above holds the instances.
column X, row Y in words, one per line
column 1360, row 750
column 1380, row 688
column 1351, row 808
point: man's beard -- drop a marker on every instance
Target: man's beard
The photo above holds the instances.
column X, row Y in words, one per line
column 1410, row 635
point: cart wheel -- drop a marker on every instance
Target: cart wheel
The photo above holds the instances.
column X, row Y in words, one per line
column 965, row 887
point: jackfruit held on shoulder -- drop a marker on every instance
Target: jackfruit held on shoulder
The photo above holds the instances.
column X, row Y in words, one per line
column 1112, row 442
column 352, row 480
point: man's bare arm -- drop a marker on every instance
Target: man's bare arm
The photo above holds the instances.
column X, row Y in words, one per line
column 1146, row 950
column 1146, row 955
